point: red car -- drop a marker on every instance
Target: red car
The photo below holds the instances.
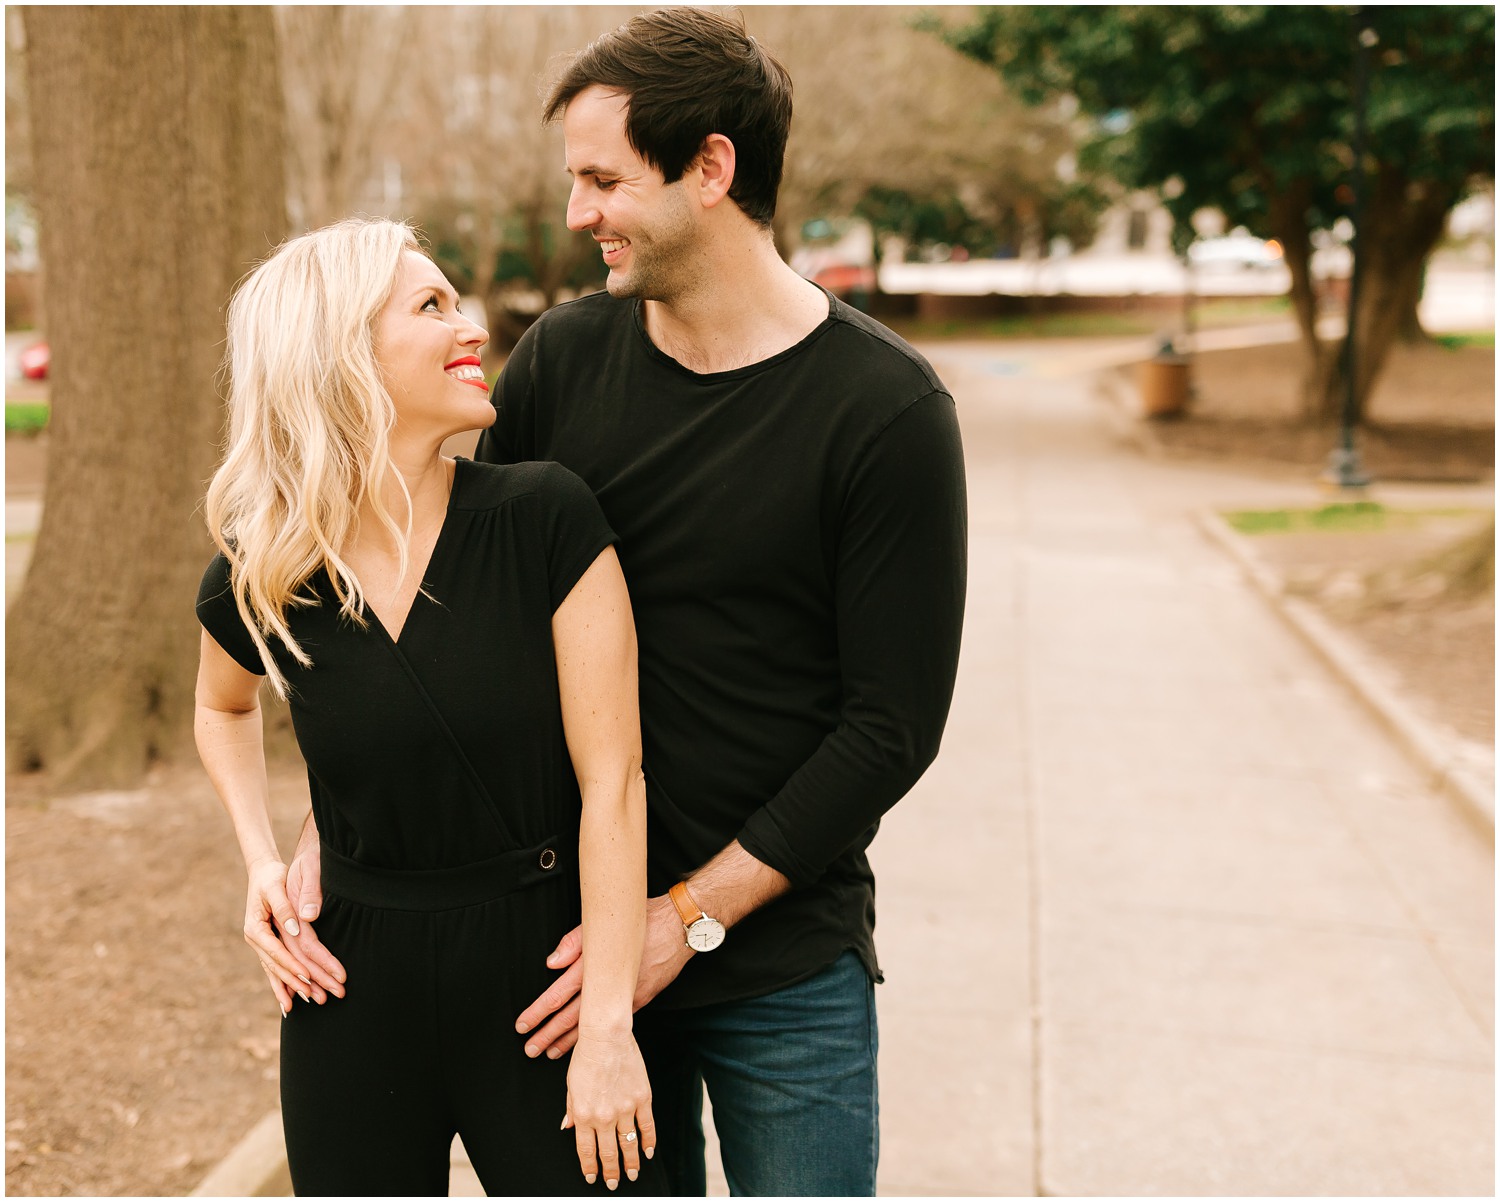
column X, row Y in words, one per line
column 35, row 360
column 843, row 278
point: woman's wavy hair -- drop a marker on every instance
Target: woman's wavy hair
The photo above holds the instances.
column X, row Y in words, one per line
column 309, row 425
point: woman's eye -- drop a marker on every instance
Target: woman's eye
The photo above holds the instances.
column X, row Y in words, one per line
column 431, row 303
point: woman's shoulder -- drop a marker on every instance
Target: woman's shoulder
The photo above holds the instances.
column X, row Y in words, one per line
column 484, row 486
column 216, row 579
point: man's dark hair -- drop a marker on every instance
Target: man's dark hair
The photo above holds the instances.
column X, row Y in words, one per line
column 687, row 73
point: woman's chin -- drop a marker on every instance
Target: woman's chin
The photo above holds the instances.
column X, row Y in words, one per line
column 481, row 417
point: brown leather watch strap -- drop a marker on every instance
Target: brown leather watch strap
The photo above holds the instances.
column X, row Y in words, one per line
column 687, row 909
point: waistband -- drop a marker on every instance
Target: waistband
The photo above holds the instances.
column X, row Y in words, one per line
column 442, row 888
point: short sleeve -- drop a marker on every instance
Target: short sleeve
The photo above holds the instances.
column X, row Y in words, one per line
column 221, row 618
column 573, row 528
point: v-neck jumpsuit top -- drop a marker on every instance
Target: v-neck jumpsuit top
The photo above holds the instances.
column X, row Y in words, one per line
column 448, row 814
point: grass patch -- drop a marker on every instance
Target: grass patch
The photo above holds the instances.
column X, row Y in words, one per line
column 1209, row 314
column 1055, row 325
column 26, row 417
column 1457, row 342
column 1351, row 517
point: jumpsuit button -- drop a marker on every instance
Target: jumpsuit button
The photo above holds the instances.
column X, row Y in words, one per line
column 547, row 859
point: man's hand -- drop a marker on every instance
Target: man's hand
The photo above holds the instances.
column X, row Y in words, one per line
column 304, row 889
column 304, row 877
column 662, row 958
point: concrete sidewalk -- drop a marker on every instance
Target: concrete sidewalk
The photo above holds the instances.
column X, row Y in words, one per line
column 1170, row 914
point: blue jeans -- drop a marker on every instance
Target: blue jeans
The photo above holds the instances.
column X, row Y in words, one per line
column 791, row 1077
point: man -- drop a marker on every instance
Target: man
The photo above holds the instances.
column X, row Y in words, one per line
column 787, row 482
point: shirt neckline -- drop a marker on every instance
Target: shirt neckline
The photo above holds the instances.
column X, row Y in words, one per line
column 638, row 316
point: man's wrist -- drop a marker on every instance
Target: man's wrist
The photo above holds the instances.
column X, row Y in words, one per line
column 309, row 836
column 701, row 932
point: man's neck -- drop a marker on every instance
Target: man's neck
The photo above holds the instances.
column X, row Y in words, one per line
column 748, row 306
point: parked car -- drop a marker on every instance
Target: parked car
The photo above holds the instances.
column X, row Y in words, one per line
column 844, row 279
column 35, row 360
column 1237, row 250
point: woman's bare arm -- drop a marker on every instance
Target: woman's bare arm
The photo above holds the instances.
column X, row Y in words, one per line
column 228, row 731
column 608, row 1093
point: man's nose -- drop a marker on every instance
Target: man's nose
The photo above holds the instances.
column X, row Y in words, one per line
column 582, row 213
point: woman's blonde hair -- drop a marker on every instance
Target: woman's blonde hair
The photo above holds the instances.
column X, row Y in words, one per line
column 309, row 425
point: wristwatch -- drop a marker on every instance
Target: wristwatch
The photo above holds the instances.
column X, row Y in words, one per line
column 702, row 933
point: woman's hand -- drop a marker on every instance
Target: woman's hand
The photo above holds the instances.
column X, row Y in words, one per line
column 609, row 1106
column 267, row 909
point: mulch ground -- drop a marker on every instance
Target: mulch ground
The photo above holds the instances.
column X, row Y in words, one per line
column 1436, row 643
column 1432, row 416
column 141, row 1037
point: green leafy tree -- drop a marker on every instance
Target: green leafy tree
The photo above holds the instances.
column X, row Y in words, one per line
column 1249, row 109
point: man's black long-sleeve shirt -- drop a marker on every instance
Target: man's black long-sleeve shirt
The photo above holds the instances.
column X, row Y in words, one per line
column 793, row 534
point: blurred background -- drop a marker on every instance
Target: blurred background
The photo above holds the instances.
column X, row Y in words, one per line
column 1222, row 920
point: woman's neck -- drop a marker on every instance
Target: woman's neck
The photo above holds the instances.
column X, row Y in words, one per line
column 429, row 482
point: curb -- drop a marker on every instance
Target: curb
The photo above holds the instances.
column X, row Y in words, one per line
column 1424, row 742
column 255, row 1167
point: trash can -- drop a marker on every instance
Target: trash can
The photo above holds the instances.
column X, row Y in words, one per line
column 1163, row 383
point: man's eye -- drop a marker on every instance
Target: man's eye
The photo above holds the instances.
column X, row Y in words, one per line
column 607, row 185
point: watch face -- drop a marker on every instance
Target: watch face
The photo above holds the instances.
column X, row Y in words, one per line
column 705, row 934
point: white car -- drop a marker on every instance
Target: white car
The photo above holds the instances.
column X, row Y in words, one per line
column 1234, row 251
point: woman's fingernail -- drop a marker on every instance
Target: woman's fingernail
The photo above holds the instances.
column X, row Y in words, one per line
column 650, row 1152
column 309, row 911
column 304, row 980
column 282, row 1008
column 612, row 1183
column 632, row 1174
column 589, row 1177
column 291, row 927
column 303, row 996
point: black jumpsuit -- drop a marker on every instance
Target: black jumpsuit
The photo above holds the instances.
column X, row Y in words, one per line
column 448, row 814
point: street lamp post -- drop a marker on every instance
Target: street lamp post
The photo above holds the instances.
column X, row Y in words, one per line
column 1344, row 468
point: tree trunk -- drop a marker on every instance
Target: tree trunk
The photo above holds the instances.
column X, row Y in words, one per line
column 504, row 330
column 1403, row 222
column 1288, row 217
column 1410, row 329
column 158, row 138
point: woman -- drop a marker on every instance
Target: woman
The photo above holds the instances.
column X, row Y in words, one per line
column 448, row 635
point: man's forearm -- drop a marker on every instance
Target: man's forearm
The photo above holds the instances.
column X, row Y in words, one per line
column 734, row 884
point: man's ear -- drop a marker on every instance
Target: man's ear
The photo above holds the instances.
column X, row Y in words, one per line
column 715, row 167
